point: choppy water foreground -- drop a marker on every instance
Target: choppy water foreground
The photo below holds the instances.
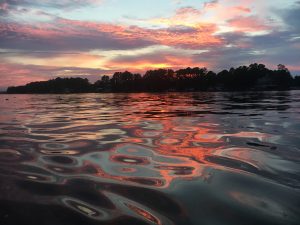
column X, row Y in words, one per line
column 176, row 158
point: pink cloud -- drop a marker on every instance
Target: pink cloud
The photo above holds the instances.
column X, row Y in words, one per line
column 243, row 9
column 211, row 4
column 187, row 11
column 248, row 24
column 63, row 33
column 199, row 36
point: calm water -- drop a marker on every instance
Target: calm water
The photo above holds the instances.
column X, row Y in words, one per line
column 176, row 158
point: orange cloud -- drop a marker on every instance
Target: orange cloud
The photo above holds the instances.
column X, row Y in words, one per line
column 73, row 34
column 191, row 37
column 243, row 9
column 153, row 61
column 214, row 14
column 218, row 12
column 201, row 35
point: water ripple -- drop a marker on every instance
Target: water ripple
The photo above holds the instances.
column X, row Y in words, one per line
column 173, row 158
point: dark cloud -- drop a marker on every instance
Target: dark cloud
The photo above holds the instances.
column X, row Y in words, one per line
column 292, row 18
column 48, row 3
column 210, row 3
column 12, row 7
column 181, row 29
column 277, row 46
column 225, row 57
column 62, row 34
column 65, row 36
column 242, row 49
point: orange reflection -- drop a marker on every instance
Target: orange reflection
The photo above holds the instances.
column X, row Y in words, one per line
column 163, row 150
column 145, row 214
column 152, row 148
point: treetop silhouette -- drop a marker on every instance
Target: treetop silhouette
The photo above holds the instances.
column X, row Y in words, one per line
column 252, row 77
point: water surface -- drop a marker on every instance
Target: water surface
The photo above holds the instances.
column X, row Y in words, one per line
column 173, row 158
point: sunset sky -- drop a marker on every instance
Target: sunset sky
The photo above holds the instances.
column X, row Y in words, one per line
column 43, row 39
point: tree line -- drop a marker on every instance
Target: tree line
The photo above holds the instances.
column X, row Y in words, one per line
column 252, row 77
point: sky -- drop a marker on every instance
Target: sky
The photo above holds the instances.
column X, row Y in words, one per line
column 44, row 39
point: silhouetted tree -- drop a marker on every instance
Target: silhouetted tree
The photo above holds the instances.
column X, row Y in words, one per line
column 282, row 77
column 296, row 82
column 252, row 77
column 58, row 85
column 158, row 80
column 103, row 84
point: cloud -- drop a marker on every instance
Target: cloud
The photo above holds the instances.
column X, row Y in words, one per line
column 184, row 16
column 210, row 4
column 75, row 35
column 292, row 17
column 187, row 11
column 156, row 59
column 48, row 3
column 218, row 13
column 15, row 8
column 243, row 9
column 68, row 35
column 271, row 49
column 248, row 24
column 223, row 10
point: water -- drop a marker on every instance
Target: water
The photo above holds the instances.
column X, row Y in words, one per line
column 174, row 158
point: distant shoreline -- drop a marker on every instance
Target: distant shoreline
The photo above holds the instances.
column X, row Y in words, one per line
column 154, row 92
column 255, row 77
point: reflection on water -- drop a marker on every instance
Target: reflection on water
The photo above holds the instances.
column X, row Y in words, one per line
column 175, row 158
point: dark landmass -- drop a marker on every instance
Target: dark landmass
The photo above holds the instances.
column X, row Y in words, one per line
column 244, row 78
